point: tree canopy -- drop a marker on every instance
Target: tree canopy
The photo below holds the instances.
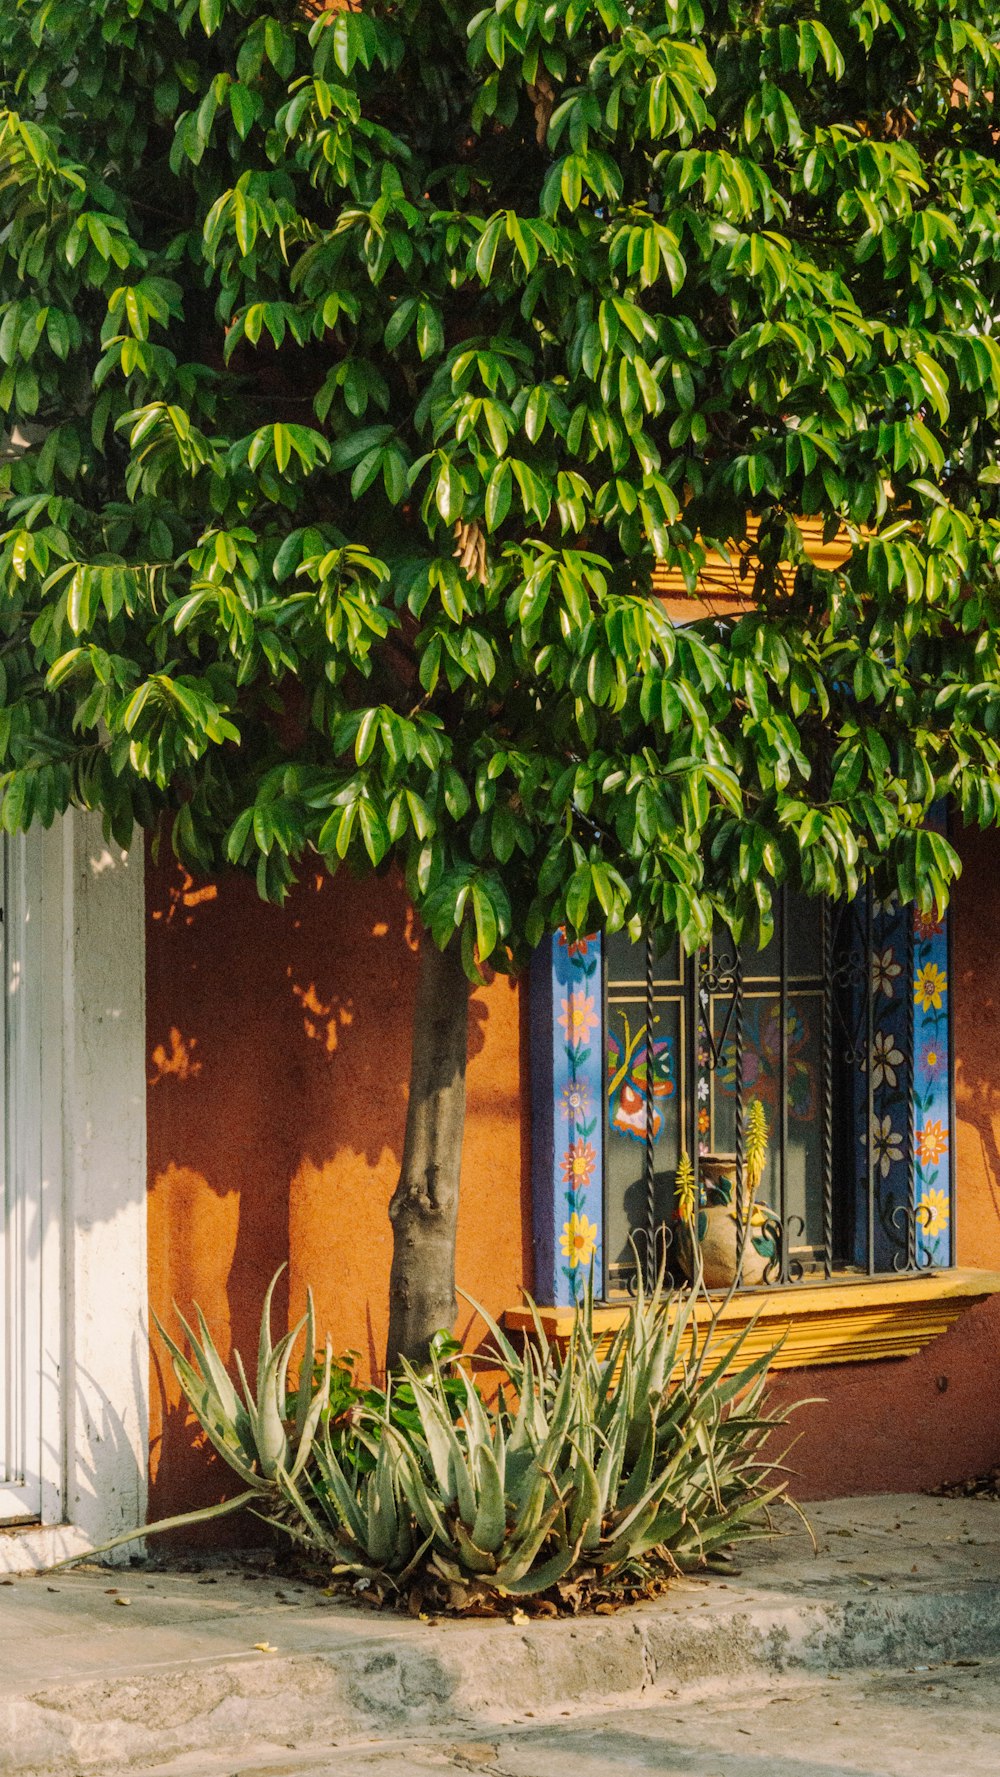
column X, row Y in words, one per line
column 357, row 367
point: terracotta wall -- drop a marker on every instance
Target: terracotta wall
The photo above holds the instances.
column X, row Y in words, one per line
column 278, row 1045
column 278, row 1048
column 899, row 1427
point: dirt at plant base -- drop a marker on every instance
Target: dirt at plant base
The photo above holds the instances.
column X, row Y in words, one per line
column 978, row 1487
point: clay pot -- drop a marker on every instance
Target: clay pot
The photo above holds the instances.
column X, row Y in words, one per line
column 720, row 1232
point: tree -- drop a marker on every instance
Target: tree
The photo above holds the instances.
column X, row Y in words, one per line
column 357, row 367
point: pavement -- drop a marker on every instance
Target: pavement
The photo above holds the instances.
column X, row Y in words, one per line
column 877, row 1655
column 938, row 1722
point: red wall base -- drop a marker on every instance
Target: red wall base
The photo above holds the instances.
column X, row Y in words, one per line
column 899, row 1427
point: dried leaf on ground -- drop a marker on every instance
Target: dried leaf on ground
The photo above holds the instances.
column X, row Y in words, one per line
column 976, row 1487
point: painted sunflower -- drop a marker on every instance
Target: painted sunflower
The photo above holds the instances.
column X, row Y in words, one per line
column 578, row 1240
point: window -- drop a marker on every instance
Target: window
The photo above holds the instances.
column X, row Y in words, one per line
column 838, row 1029
column 849, row 1064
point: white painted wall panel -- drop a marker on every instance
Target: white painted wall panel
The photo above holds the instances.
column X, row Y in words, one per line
column 82, row 1102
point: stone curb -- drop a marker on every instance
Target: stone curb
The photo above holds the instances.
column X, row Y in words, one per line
column 488, row 1671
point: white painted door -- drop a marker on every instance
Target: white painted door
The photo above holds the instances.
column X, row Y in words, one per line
column 21, row 1223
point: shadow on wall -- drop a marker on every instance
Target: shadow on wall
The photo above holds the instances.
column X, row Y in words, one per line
column 279, row 1044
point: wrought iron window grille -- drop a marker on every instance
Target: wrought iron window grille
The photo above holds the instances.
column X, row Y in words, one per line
column 820, row 1026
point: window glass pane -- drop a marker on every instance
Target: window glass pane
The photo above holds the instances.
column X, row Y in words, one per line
column 625, row 1150
column 762, row 965
column 886, row 1172
column 803, row 915
column 805, row 936
column 626, row 961
column 761, row 1025
column 804, row 1152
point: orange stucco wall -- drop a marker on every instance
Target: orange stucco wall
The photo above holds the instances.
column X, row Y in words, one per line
column 278, row 1046
column 278, row 1054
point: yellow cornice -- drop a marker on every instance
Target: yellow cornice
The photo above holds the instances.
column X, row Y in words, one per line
column 720, row 579
column 842, row 1323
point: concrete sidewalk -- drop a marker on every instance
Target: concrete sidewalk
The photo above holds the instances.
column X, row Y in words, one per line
column 90, row 1683
column 932, row 1722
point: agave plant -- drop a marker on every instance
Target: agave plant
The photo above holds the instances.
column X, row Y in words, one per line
column 263, row 1433
column 643, row 1456
column 600, row 1462
column 258, row 1432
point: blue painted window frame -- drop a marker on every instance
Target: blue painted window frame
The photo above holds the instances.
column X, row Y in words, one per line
column 570, row 1112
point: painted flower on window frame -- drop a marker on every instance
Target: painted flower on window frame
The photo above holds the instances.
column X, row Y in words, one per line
column 573, row 946
column 578, row 1240
column 934, row 1212
column 932, row 1141
column 926, row 925
column 627, row 1079
column 887, row 1145
column 885, row 972
column 578, row 1017
column 932, row 1060
column 886, row 1058
column 578, row 1164
column 576, row 1100
column 930, row 987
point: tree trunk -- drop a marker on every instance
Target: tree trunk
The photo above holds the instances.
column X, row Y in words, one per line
column 424, row 1208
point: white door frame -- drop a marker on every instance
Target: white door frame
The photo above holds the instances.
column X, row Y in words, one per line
column 21, row 1194
column 82, row 926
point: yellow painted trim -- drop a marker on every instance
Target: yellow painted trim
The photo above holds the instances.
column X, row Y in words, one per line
column 720, row 578
column 843, row 1323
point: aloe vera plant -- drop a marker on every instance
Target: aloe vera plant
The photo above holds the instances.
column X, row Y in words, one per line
column 262, row 1432
column 251, row 1427
column 599, row 1465
column 642, row 1457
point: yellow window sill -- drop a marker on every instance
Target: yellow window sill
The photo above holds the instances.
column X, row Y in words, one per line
column 842, row 1323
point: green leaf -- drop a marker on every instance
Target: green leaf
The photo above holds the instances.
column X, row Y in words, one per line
column 489, row 240
column 486, row 920
column 243, row 108
column 279, row 47
column 400, row 322
column 498, row 495
column 282, row 445
column 430, row 332
column 578, row 894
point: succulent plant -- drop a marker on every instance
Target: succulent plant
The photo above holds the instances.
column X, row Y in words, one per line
column 258, row 1431
column 597, row 1460
column 643, row 1455
column 262, row 1432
